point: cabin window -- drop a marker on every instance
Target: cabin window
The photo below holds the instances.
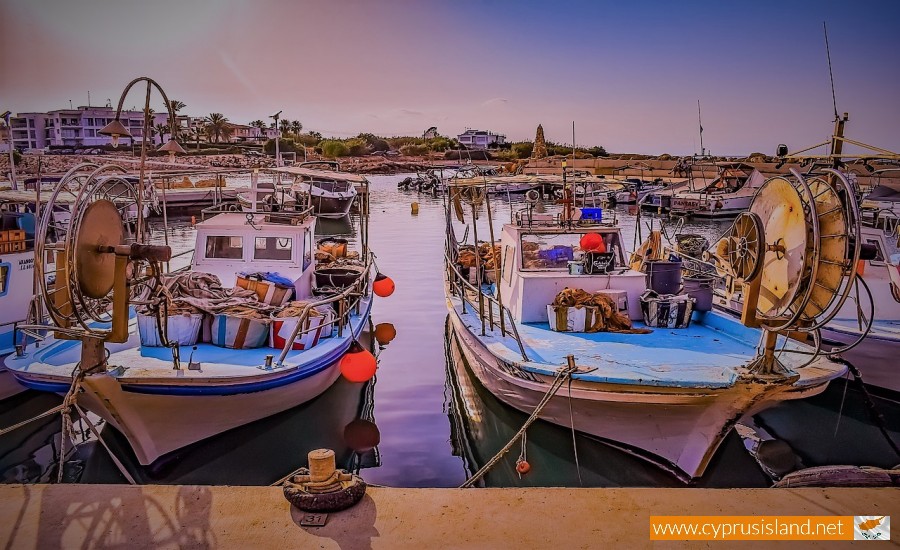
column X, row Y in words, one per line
column 273, row 248
column 554, row 251
column 308, row 250
column 225, row 247
column 4, row 278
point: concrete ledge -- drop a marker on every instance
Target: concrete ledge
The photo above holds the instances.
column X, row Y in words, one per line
column 89, row 516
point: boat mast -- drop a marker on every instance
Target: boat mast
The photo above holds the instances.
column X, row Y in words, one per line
column 837, row 137
column 700, row 123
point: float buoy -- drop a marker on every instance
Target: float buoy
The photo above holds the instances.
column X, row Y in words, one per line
column 592, row 242
column 523, row 467
column 383, row 285
column 358, row 364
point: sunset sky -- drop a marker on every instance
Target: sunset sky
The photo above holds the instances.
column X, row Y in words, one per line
column 628, row 73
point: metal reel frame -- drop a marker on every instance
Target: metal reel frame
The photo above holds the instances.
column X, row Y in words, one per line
column 75, row 308
column 747, row 236
column 853, row 223
column 807, row 200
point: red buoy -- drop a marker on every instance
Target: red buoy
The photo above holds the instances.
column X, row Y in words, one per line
column 523, row 467
column 358, row 364
column 383, row 285
column 592, row 242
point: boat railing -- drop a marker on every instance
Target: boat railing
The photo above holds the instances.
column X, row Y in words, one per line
column 278, row 216
column 348, row 301
column 460, row 286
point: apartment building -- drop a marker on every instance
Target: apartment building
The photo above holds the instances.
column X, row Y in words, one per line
column 74, row 127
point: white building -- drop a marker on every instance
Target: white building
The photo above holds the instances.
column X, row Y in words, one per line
column 243, row 132
column 74, row 127
column 480, row 139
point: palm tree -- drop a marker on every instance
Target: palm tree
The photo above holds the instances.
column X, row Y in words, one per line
column 161, row 130
column 261, row 126
column 285, row 127
column 296, row 126
column 177, row 105
column 215, row 126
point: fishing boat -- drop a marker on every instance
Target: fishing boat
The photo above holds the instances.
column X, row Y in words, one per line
column 329, row 191
column 727, row 195
column 165, row 379
column 16, row 284
column 669, row 394
column 637, row 190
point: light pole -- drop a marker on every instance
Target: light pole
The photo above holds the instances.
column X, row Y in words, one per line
column 116, row 130
column 277, row 133
column 12, row 156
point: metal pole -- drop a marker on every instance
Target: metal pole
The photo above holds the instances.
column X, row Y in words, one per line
column 497, row 270
column 477, row 259
column 12, row 159
column 140, row 194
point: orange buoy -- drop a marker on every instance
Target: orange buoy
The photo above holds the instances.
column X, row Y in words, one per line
column 358, row 364
column 361, row 435
column 383, row 285
column 193, row 220
column 523, row 467
column 385, row 333
column 592, row 242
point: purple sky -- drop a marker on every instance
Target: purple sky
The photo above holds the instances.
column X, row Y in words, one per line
column 628, row 73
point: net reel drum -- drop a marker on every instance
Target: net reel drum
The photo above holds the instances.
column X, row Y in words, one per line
column 94, row 257
column 795, row 252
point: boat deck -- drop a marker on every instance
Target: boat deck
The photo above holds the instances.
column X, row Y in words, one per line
column 699, row 354
column 708, row 354
column 132, row 363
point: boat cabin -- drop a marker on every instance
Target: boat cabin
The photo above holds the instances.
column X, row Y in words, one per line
column 230, row 243
column 540, row 258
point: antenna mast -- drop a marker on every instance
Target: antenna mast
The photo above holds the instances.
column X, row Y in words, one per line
column 700, row 122
column 830, row 73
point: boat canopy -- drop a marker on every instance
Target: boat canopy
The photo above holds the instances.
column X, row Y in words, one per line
column 320, row 174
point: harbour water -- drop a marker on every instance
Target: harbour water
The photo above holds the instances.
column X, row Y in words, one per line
column 435, row 423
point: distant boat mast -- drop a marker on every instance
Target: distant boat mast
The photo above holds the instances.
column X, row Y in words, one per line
column 700, row 123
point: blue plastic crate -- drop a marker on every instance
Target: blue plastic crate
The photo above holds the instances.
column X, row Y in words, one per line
column 557, row 254
column 592, row 214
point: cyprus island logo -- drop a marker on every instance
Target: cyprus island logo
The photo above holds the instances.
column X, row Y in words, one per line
column 871, row 527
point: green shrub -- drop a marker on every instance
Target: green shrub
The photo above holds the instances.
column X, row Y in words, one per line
column 414, row 149
column 17, row 157
column 285, row 145
column 523, row 149
column 334, row 148
column 357, row 147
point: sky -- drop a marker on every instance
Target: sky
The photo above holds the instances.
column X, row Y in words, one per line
column 628, row 74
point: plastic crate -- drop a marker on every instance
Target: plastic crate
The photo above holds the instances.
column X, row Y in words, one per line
column 595, row 214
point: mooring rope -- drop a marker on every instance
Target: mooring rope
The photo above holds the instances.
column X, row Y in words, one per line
column 873, row 411
column 561, row 376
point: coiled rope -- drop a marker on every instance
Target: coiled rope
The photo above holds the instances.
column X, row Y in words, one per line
column 562, row 375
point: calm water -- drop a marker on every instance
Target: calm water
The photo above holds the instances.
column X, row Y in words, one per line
column 435, row 423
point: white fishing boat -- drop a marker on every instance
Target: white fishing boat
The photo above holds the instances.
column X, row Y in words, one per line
column 16, row 284
column 168, row 380
column 636, row 191
column 727, row 195
column 670, row 395
column 329, row 192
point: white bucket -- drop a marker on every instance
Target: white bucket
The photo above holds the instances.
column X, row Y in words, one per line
column 182, row 329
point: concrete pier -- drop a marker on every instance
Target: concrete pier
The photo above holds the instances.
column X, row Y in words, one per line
column 90, row 516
